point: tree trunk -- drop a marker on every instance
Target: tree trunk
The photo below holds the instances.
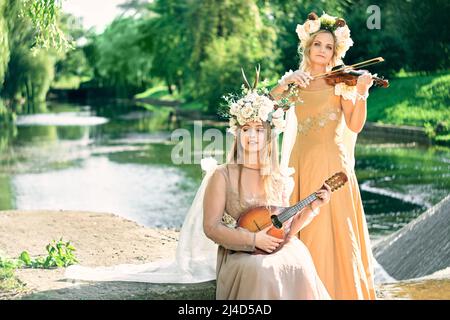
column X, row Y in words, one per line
column 169, row 86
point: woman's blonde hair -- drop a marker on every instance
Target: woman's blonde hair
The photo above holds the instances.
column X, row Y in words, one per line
column 305, row 61
column 269, row 164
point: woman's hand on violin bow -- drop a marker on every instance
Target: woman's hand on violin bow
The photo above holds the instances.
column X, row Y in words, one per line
column 364, row 82
column 298, row 77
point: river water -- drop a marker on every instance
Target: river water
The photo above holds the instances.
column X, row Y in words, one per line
column 118, row 159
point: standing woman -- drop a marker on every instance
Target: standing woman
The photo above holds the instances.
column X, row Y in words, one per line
column 319, row 141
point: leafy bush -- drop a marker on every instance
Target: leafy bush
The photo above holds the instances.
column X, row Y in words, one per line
column 59, row 254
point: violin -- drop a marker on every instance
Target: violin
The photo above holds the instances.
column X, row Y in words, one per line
column 349, row 76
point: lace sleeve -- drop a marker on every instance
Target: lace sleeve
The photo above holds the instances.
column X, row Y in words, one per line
column 347, row 92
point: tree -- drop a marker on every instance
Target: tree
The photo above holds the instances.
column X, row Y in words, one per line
column 164, row 38
column 29, row 29
column 120, row 62
column 73, row 63
column 29, row 73
column 4, row 45
column 424, row 25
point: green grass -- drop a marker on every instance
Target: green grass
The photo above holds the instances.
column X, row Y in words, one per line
column 10, row 285
column 69, row 82
column 445, row 138
column 193, row 105
column 414, row 100
column 158, row 92
column 59, row 254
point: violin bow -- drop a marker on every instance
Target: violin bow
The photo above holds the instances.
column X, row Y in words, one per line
column 353, row 66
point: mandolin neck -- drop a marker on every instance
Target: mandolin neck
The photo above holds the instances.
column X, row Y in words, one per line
column 292, row 211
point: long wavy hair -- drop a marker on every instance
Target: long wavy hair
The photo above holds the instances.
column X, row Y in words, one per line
column 305, row 60
column 269, row 164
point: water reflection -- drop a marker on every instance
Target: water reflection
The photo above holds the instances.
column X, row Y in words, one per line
column 99, row 184
column 117, row 159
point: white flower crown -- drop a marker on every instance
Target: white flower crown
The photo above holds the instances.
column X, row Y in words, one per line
column 326, row 22
column 254, row 104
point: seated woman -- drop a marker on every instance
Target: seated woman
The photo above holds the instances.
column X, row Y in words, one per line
column 251, row 178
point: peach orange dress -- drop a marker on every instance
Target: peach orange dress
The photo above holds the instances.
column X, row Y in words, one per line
column 337, row 238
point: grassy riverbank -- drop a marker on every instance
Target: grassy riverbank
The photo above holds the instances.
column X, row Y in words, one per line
column 415, row 100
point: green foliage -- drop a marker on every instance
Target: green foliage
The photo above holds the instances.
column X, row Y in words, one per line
column 410, row 36
column 387, row 42
column 10, row 285
column 60, row 254
column 4, row 44
column 232, row 35
column 6, row 263
column 6, row 118
column 118, row 59
column 443, row 139
column 25, row 75
column 165, row 37
column 29, row 76
column 221, row 70
column 43, row 15
column 29, row 72
column 159, row 92
column 72, row 66
column 424, row 25
column 196, row 49
column 414, row 100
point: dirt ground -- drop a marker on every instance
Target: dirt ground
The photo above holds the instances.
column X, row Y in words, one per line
column 100, row 239
column 104, row 239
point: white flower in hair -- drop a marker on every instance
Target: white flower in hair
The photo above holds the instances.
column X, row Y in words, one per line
column 241, row 120
column 255, row 104
column 247, row 111
column 342, row 33
column 264, row 113
column 234, row 108
column 326, row 22
column 302, row 34
column 312, row 26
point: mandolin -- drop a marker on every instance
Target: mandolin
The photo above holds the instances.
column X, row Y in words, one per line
column 258, row 218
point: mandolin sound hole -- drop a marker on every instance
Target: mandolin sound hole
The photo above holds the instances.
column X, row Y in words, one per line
column 276, row 222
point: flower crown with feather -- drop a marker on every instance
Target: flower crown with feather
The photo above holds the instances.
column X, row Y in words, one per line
column 254, row 104
column 337, row 26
